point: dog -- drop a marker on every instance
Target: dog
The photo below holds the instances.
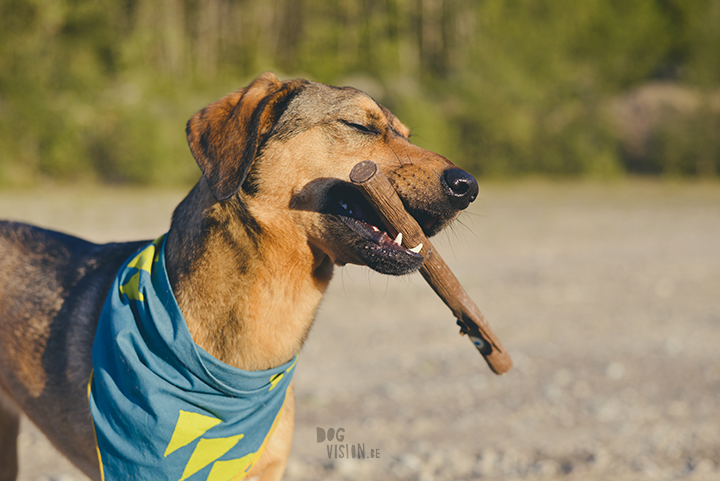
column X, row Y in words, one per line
column 248, row 256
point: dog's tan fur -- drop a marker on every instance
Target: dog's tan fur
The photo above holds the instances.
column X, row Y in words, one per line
column 249, row 254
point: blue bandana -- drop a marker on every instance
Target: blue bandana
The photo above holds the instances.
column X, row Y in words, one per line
column 162, row 407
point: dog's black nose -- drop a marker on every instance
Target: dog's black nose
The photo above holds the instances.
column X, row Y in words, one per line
column 461, row 187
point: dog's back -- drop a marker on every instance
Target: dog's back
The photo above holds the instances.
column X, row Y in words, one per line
column 50, row 284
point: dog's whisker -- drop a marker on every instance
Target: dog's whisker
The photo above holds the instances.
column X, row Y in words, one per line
column 396, row 155
column 466, row 228
column 407, row 154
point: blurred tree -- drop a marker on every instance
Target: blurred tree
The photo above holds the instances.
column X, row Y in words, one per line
column 97, row 89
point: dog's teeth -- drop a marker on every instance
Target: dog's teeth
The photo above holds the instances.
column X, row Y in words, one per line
column 398, row 239
column 343, row 205
column 375, row 229
column 417, row 248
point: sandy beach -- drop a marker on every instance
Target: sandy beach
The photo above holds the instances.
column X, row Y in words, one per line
column 607, row 296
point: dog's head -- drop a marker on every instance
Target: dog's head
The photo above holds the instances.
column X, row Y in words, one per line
column 285, row 150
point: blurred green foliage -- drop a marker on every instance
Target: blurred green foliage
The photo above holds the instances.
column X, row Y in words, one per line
column 101, row 89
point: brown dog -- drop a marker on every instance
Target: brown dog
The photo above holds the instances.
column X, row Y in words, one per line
column 249, row 254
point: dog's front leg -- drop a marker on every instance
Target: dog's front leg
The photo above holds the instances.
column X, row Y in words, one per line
column 9, row 429
column 272, row 463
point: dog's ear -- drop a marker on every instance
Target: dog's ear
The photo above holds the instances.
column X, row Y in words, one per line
column 224, row 136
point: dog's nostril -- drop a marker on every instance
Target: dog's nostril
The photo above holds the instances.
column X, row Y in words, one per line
column 461, row 187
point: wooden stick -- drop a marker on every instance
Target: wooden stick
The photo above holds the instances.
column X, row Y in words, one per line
column 380, row 193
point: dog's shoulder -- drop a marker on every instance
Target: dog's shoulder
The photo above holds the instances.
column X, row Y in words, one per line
column 25, row 240
column 38, row 265
column 35, row 247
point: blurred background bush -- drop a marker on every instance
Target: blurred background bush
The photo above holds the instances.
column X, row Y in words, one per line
column 100, row 90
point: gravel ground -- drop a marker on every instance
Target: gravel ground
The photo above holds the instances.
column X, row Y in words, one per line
column 606, row 295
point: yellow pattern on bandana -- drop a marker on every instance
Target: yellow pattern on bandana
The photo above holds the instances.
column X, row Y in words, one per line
column 142, row 262
column 188, row 428
column 162, row 407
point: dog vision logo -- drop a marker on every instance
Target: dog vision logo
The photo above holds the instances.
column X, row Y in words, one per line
column 338, row 450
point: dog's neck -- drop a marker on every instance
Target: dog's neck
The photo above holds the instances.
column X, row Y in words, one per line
column 248, row 293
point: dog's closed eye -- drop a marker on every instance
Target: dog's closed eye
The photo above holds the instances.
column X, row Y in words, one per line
column 363, row 129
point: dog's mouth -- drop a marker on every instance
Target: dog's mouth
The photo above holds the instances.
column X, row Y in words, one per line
column 372, row 241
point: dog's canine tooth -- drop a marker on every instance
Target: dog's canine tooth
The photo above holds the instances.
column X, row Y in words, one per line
column 398, row 239
column 417, row 248
column 375, row 229
column 344, row 205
